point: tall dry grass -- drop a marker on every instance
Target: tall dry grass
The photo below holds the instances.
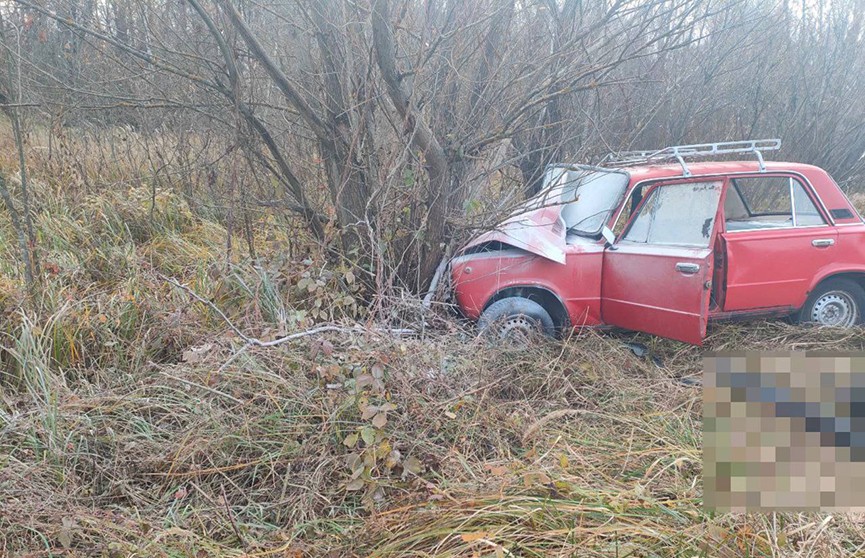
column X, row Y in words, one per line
column 131, row 426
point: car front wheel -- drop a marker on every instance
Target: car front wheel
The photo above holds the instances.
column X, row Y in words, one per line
column 515, row 320
column 836, row 303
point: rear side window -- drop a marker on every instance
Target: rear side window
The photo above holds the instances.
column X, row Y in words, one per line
column 677, row 215
column 769, row 202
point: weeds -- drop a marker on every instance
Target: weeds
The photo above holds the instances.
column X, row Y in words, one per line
column 130, row 424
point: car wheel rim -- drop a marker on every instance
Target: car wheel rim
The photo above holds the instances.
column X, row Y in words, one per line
column 835, row 308
column 518, row 329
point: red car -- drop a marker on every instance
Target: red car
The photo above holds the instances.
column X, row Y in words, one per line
column 652, row 243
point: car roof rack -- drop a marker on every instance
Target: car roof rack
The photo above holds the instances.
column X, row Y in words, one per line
column 681, row 152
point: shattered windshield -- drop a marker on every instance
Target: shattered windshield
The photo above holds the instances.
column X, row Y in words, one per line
column 588, row 196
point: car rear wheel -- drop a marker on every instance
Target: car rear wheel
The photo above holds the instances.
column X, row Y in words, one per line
column 836, row 303
column 516, row 320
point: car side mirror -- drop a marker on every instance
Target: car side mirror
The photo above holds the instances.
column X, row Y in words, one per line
column 608, row 235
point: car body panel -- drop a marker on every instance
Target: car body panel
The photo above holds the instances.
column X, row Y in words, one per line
column 539, row 231
column 774, row 267
column 663, row 302
column 577, row 282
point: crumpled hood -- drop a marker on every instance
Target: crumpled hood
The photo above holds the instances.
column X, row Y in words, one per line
column 539, row 231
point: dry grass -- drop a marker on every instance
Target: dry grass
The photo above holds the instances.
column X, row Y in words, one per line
column 129, row 426
column 573, row 448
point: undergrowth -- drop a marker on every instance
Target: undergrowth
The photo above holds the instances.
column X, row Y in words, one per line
column 131, row 423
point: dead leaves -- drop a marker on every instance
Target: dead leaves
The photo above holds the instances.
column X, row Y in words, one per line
column 195, row 355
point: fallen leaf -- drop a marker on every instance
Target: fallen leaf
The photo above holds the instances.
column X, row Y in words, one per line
column 472, row 537
column 350, row 440
column 352, row 460
column 379, row 420
column 64, row 537
column 392, row 459
column 413, row 465
column 354, row 484
column 368, row 412
column 368, row 435
column 196, row 354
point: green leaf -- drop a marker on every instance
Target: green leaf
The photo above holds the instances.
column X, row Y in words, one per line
column 413, row 465
column 408, row 177
column 368, row 435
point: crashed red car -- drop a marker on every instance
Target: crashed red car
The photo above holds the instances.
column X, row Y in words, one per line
column 654, row 243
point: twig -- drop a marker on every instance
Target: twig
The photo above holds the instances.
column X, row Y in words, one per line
column 205, row 388
column 259, row 343
column 231, row 519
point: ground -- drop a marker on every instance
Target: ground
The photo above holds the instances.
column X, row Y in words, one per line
column 132, row 423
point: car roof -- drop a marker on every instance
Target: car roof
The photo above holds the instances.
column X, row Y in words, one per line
column 640, row 173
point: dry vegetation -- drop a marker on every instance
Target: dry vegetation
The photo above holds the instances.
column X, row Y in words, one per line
column 131, row 426
column 300, row 163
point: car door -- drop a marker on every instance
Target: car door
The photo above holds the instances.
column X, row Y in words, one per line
column 656, row 277
column 776, row 241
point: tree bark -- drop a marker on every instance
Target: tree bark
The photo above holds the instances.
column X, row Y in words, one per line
column 435, row 160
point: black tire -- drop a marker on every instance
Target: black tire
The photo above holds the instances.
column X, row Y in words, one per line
column 515, row 319
column 836, row 302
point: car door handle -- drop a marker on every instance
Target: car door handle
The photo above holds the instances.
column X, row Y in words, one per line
column 687, row 268
column 822, row 242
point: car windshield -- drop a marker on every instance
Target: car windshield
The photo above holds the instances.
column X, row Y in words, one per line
column 589, row 196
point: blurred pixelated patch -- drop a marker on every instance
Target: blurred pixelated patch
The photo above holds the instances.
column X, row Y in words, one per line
column 784, row 431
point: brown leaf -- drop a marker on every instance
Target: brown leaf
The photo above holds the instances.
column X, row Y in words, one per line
column 350, row 440
column 196, row 354
column 352, row 461
column 379, row 420
column 64, row 537
column 368, row 412
column 476, row 536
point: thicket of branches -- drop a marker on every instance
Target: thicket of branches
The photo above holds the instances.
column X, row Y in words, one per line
column 391, row 128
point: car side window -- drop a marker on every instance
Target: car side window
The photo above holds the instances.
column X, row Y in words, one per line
column 807, row 214
column 677, row 215
column 768, row 202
